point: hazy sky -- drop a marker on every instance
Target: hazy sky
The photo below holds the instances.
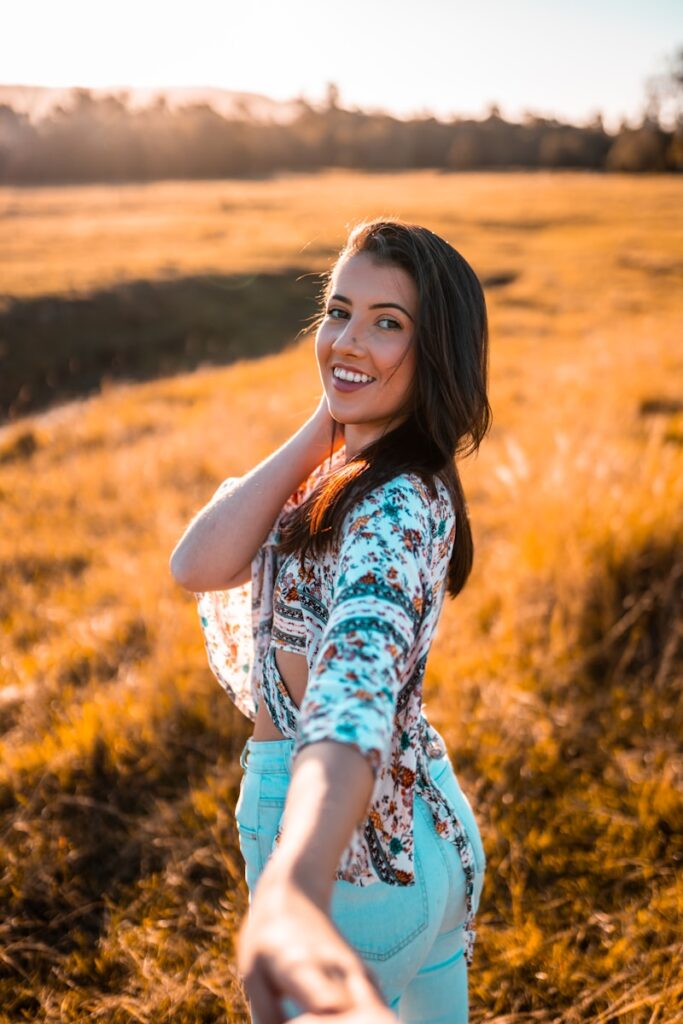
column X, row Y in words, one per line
column 550, row 56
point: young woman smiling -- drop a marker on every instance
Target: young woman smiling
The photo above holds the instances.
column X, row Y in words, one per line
column 320, row 576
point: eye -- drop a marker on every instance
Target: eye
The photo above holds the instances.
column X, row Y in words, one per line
column 395, row 325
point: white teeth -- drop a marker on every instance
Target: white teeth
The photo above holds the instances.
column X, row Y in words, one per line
column 357, row 378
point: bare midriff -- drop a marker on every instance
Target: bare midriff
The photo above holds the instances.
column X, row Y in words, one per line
column 293, row 669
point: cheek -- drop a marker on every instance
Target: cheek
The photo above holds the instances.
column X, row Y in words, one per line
column 322, row 346
column 326, row 333
column 404, row 381
column 402, row 363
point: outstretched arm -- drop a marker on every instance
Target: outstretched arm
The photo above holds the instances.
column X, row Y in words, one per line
column 327, row 798
column 290, row 945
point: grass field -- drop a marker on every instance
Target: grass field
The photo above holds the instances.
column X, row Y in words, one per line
column 555, row 676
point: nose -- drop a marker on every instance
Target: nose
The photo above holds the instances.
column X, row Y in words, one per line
column 346, row 340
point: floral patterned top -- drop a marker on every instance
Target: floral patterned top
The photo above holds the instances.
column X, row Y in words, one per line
column 364, row 614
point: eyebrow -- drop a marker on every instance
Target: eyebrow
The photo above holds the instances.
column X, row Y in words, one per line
column 375, row 305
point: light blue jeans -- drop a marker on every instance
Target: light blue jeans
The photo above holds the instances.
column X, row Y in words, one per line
column 409, row 936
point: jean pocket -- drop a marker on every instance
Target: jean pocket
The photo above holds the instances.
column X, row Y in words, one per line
column 251, row 854
column 258, row 812
column 269, row 817
column 246, row 808
column 380, row 919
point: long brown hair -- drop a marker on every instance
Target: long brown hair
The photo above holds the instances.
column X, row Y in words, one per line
column 449, row 413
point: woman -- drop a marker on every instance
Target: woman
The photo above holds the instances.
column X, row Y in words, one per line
column 320, row 576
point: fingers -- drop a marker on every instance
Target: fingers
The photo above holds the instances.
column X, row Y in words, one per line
column 321, row 988
column 300, row 956
column 325, row 987
column 264, row 1001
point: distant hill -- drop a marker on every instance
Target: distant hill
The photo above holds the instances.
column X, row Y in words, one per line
column 38, row 101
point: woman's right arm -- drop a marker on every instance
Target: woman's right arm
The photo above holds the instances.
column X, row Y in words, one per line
column 216, row 550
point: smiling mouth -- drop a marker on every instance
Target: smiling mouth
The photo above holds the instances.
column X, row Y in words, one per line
column 339, row 373
column 343, row 385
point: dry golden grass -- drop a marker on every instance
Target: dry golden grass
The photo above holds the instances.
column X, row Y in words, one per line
column 555, row 676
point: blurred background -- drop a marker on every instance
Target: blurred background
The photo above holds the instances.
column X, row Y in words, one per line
column 173, row 183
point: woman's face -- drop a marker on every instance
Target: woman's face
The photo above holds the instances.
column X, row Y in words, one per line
column 368, row 329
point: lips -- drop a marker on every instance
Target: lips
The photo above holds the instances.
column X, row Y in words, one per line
column 349, row 385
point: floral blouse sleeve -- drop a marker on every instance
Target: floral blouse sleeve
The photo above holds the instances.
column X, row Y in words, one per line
column 225, row 617
column 237, row 623
column 377, row 604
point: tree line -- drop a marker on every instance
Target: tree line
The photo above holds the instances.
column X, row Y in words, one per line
column 101, row 139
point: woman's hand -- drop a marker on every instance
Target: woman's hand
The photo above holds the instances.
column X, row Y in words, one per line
column 288, row 947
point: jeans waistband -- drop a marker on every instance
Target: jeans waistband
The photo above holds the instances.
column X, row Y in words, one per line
column 267, row 755
column 275, row 756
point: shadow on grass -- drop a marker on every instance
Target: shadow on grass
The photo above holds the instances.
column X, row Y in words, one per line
column 60, row 347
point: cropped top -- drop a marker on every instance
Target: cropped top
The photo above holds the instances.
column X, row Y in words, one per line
column 289, row 627
column 364, row 614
